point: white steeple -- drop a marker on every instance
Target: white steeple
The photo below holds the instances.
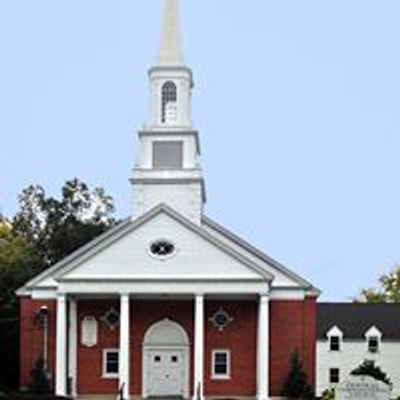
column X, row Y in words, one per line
column 171, row 41
column 168, row 167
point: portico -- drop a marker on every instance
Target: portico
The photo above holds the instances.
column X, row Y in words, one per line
column 66, row 371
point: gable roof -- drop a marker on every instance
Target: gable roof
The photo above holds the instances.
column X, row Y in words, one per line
column 97, row 245
column 355, row 319
column 259, row 254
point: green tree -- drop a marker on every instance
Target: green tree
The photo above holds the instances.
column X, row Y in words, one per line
column 388, row 290
column 369, row 368
column 296, row 384
column 43, row 231
column 58, row 227
column 19, row 261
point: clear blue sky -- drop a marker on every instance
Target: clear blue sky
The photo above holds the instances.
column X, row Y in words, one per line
column 297, row 103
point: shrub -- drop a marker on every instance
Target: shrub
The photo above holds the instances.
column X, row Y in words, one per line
column 328, row 394
column 296, row 385
column 369, row 368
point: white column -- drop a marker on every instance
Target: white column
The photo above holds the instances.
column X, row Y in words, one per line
column 198, row 390
column 263, row 349
column 73, row 346
column 124, row 346
column 61, row 346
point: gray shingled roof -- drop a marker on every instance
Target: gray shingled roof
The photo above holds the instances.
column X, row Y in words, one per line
column 354, row 319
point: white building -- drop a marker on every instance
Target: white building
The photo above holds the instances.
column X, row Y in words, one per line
column 349, row 333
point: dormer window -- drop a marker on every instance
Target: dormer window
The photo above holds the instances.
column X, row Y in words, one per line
column 335, row 338
column 373, row 337
column 373, row 344
column 169, row 95
column 334, row 343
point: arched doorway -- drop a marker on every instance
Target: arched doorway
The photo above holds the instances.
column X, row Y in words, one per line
column 166, row 360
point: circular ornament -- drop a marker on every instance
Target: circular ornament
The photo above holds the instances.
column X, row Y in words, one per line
column 221, row 319
column 162, row 248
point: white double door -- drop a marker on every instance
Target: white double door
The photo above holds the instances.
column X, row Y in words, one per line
column 166, row 372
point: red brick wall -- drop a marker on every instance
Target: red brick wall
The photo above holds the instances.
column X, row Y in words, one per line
column 292, row 327
column 240, row 338
column 90, row 360
column 31, row 337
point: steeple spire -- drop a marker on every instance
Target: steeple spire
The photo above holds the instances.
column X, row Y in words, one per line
column 168, row 169
column 171, row 41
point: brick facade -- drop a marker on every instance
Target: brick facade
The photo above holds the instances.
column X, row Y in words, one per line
column 292, row 326
column 32, row 338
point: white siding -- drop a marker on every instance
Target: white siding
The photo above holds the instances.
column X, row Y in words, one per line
column 280, row 280
column 195, row 256
column 184, row 198
column 352, row 354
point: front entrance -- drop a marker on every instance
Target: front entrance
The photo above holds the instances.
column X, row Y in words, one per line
column 167, row 372
column 166, row 361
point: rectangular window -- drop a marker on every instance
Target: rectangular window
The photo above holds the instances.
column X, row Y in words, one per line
column 334, row 375
column 167, row 155
column 334, row 343
column 110, row 363
column 221, row 368
column 373, row 344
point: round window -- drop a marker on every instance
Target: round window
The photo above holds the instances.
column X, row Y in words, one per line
column 162, row 248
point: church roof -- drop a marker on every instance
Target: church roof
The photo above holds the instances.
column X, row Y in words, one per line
column 355, row 319
column 260, row 254
column 226, row 241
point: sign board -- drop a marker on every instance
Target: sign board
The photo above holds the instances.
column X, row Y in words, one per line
column 89, row 332
column 362, row 388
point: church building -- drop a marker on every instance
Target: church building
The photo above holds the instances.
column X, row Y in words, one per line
column 168, row 303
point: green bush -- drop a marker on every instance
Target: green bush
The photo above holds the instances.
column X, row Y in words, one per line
column 328, row 394
column 296, row 385
column 369, row 368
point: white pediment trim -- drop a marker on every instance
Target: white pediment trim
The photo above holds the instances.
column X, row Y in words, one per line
column 61, row 269
column 334, row 331
column 373, row 331
column 264, row 258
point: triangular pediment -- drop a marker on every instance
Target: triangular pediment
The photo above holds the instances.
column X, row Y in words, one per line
column 126, row 255
column 202, row 253
column 283, row 276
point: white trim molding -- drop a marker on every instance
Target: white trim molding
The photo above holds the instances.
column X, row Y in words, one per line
column 198, row 389
column 124, row 348
column 214, row 374
column 263, row 348
column 373, row 334
column 335, row 332
column 105, row 373
column 61, row 346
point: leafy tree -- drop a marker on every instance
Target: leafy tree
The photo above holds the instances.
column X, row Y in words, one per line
column 43, row 231
column 19, row 261
column 369, row 368
column 296, row 385
column 388, row 290
column 58, row 227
